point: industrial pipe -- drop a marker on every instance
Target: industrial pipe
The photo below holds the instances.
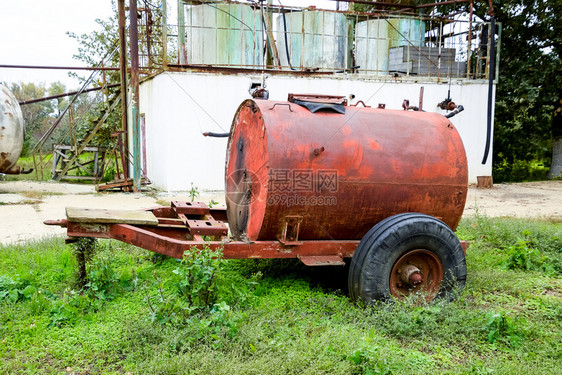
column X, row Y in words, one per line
column 286, row 42
column 216, row 135
column 57, row 67
column 457, row 110
column 398, row 5
column 491, row 71
column 134, row 85
column 31, row 101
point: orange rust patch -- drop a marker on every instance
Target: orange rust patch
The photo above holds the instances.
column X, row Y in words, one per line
column 374, row 145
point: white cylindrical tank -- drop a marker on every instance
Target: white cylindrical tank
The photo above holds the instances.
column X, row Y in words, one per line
column 374, row 38
column 224, row 35
column 12, row 131
column 371, row 46
column 406, row 32
column 314, row 40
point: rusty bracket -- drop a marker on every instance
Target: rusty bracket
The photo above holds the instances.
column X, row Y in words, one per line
column 322, row 260
column 360, row 102
column 406, row 106
column 290, row 234
column 190, row 208
column 204, row 227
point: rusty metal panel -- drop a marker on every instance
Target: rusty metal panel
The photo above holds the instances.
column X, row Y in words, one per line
column 322, row 260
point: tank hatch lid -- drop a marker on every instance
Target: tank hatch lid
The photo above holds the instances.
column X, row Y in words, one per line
column 316, row 102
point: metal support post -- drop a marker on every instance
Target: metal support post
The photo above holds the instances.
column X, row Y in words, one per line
column 134, row 86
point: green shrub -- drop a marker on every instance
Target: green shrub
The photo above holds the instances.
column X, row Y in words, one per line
column 102, row 280
column 195, row 288
column 520, row 170
column 521, row 257
column 14, row 290
column 502, row 328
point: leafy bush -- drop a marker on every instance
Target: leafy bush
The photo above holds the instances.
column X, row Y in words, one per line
column 502, row 328
column 68, row 309
column 195, row 288
column 96, row 275
column 516, row 244
column 15, row 290
column 101, row 280
column 520, row 170
column 521, row 257
column 197, row 272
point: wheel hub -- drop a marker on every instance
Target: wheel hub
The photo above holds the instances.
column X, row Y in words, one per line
column 416, row 271
column 411, row 275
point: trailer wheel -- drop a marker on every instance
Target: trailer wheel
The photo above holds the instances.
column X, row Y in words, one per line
column 405, row 254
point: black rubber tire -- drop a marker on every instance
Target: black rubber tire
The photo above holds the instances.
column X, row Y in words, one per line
column 389, row 240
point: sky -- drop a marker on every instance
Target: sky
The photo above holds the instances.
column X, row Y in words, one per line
column 34, row 33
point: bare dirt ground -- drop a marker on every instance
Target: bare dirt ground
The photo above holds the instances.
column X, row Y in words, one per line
column 540, row 200
column 24, row 205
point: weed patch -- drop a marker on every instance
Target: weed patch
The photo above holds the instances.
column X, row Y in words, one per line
column 249, row 316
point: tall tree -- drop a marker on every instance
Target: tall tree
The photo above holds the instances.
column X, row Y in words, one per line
column 57, row 88
column 528, row 97
column 36, row 115
column 528, row 117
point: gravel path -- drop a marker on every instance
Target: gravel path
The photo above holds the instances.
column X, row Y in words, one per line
column 24, row 205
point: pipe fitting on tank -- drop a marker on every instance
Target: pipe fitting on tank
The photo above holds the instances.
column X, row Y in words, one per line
column 406, row 106
column 457, row 110
column 216, row 135
column 318, row 151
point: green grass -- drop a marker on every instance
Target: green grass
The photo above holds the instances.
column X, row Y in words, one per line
column 42, row 170
column 289, row 319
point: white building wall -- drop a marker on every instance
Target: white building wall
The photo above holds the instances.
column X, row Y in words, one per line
column 180, row 106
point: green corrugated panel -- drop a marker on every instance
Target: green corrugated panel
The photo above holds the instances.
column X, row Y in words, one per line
column 406, row 31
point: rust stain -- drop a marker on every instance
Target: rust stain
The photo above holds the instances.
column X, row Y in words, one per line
column 374, row 145
column 357, row 158
column 5, row 163
column 346, row 130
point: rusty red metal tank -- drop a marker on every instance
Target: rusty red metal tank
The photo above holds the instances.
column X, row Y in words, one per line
column 296, row 175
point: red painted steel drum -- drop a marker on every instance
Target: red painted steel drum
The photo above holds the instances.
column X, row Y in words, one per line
column 334, row 176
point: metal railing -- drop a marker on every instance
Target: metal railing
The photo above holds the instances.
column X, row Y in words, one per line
column 255, row 36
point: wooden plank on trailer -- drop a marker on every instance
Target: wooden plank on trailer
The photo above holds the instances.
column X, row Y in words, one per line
column 103, row 216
